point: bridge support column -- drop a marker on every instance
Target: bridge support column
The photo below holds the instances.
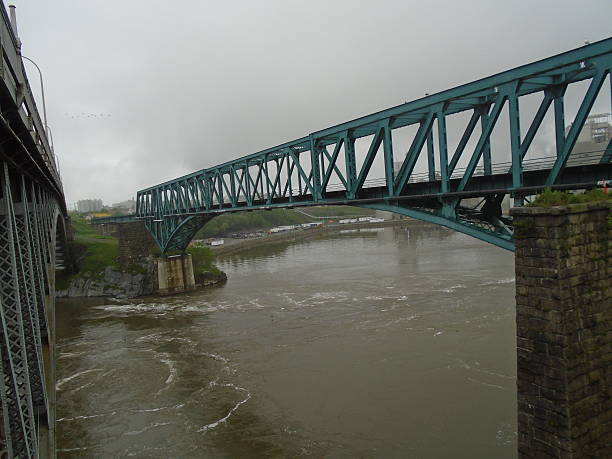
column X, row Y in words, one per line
column 175, row 274
column 135, row 243
column 564, row 318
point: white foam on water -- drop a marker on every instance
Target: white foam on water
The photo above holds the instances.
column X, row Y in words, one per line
column 152, row 410
column 149, row 427
column 477, row 381
column 81, row 418
column 229, row 414
column 67, row 355
column 61, row 382
column 81, row 387
column 217, row 357
column 171, row 369
column 507, row 280
column 451, row 289
column 151, row 337
column 68, row 450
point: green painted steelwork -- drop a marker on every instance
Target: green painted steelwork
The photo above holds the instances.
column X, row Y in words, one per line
column 300, row 172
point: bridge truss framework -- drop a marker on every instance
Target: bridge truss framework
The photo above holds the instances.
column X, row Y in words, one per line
column 299, row 173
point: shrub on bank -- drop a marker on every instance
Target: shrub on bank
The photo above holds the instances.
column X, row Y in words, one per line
column 550, row 198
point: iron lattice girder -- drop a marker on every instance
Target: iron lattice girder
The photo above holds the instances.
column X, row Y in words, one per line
column 26, row 229
column 300, row 172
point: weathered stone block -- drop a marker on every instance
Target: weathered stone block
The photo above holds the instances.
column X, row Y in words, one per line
column 564, row 330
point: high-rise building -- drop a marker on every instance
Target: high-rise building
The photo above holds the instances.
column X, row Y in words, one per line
column 89, row 205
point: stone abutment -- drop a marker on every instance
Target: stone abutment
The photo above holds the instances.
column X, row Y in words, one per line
column 564, row 330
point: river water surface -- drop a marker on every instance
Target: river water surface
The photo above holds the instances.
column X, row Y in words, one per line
column 390, row 343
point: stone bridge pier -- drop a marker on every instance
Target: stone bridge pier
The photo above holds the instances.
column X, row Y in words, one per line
column 564, row 331
column 173, row 274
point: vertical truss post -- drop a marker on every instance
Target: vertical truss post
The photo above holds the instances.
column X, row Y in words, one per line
column 259, row 177
column 233, row 185
column 289, row 179
column 464, row 139
column 249, row 197
column 486, row 150
column 537, row 121
column 607, row 155
column 559, row 106
column 431, row 160
column 442, row 143
column 267, row 175
column 388, row 153
column 572, row 135
column 351, row 168
column 515, row 143
column 220, row 191
column 413, row 153
column 483, row 141
column 315, row 154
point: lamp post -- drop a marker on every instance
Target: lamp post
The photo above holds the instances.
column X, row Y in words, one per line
column 42, row 92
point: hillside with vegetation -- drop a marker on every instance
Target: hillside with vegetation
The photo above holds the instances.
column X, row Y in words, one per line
column 95, row 257
column 226, row 224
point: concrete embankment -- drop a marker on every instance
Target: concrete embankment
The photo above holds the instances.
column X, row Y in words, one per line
column 300, row 234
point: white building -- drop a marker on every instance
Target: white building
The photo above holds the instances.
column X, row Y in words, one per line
column 89, row 205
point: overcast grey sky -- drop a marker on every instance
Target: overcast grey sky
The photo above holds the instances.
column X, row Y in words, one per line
column 141, row 91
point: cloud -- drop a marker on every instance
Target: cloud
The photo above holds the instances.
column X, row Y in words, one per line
column 189, row 84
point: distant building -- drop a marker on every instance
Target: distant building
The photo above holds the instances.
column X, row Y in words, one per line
column 592, row 140
column 89, row 205
column 128, row 206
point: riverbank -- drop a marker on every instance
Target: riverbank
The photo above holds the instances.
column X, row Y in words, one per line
column 98, row 272
column 233, row 246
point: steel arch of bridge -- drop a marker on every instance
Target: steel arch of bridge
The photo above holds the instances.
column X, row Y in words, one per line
column 299, row 173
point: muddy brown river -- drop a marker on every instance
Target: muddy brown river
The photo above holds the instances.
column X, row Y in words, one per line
column 393, row 343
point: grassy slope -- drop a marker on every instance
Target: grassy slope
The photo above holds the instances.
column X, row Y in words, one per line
column 97, row 252
column 101, row 251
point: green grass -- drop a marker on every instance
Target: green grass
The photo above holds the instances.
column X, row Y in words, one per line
column 549, row 198
column 93, row 252
column 203, row 260
column 101, row 251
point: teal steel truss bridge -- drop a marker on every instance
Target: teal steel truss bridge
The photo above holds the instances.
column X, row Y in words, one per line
column 461, row 187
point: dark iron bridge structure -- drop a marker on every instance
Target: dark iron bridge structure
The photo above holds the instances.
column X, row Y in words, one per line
column 32, row 219
column 461, row 188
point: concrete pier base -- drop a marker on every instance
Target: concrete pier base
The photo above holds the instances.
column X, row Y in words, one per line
column 564, row 331
column 175, row 274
